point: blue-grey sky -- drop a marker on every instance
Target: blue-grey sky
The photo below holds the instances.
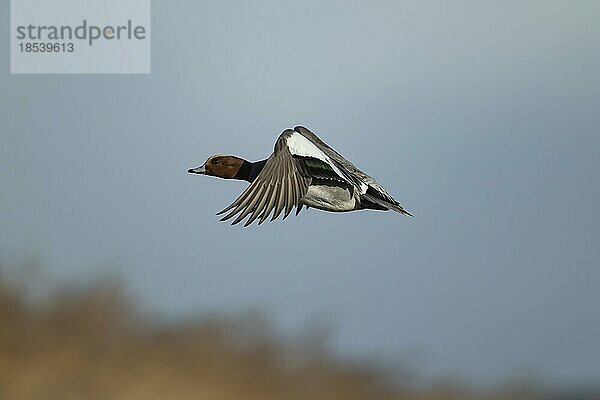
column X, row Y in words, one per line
column 481, row 117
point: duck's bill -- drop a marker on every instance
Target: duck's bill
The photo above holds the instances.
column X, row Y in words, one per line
column 198, row 170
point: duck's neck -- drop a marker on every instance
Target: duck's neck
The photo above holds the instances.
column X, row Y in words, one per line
column 250, row 170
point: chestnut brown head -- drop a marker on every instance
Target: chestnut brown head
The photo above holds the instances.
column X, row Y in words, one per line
column 222, row 166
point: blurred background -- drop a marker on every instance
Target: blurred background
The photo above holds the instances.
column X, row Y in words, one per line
column 480, row 117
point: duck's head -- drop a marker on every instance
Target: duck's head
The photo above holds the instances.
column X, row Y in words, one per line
column 226, row 167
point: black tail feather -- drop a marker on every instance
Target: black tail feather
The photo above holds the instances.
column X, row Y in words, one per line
column 371, row 201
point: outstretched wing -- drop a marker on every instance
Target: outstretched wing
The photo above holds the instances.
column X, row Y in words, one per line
column 280, row 185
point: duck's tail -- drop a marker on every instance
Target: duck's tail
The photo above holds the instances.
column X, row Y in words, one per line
column 371, row 200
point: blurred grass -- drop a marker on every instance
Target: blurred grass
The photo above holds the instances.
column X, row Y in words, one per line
column 92, row 344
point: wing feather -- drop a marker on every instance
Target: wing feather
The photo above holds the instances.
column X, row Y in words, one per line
column 280, row 185
column 261, row 205
column 271, row 204
column 290, row 195
column 239, row 202
column 250, row 205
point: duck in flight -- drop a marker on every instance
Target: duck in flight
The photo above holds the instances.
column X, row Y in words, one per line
column 302, row 171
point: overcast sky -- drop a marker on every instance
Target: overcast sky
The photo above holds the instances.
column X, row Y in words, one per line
column 481, row 117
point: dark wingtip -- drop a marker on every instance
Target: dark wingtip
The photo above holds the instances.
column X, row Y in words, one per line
column 262, row 221
column 297, row 128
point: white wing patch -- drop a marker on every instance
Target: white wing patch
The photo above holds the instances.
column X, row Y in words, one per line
column 363, row 187
column 301, row 146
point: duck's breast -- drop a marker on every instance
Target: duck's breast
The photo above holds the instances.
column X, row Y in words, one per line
column 330, row 198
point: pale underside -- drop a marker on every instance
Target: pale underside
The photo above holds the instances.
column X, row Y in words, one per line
column 330, row 198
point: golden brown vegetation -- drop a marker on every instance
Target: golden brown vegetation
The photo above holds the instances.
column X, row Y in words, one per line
column 91, row 345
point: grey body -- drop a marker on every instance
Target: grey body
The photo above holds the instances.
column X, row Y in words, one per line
column 330, row 198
